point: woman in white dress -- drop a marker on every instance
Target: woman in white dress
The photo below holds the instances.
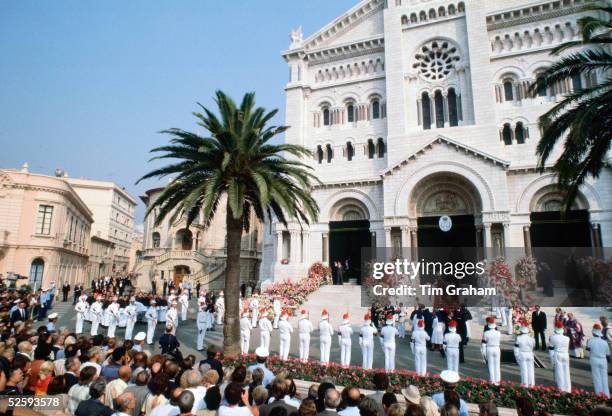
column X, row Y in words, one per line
column 439, row 326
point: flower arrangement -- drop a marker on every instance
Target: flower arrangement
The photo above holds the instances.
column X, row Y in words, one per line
column 473, row 390
column 500, row 276
column 526, row 271
column 598, row 273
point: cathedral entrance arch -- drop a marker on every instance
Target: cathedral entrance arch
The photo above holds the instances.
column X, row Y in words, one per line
column 349, row 234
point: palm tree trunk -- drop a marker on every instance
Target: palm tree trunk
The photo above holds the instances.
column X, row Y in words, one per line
column 231, row 328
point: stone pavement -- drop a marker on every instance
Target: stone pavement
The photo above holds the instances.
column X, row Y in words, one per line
column 340, row 299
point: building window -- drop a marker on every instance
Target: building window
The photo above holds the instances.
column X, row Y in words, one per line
column 350, row 113
column 329, row 153
column 426, row 109
column 576, row 82
column 71, row 227
column 37, row 269
column 423, row 16
column 404, row 20
column 432, row 14
column 371, row 149
column 519, row 133
column 439, row 105
column 380, row 147
column 461, row 7
column 508, row 91
column 375, row 109
column 350, row 151
column 319, row 154
column 452, row 10
column 541, row 88
column 441, row 11
column 507, row 134
column 326, row 117
column 413, row 18
column 43, row 221
column 453, row 118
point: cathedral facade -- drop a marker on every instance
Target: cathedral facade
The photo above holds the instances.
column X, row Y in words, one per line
column 418, row 111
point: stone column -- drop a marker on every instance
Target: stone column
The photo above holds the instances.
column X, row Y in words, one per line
column 306, row 248
column 506, row 239
column 325, row 247
column 294, row 247
column 279, row 246
column 596, row 239
column 406, row 243
column 527, row 240
column 414, row 244
column 373, row 245
column 488, row 241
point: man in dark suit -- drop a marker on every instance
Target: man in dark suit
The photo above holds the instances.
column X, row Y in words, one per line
column 72, row 366
column 331, row 402
column 168, row 342
column 538, row 324
column 211, row 360
column 93, row 406
column 278, row 390
column 78, row 289
column 19, row 314
column 65, row 290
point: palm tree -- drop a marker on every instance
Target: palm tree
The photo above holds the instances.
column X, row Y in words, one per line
column 236, row 160
column 584, row 116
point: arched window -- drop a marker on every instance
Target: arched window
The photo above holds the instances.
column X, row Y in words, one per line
column 423, row 16
column 380, row 147
column 375, row 109
column 508, row 91
column 404, row 20
column 452, row 10
column 426, row 110
column 350, row 112
column 439, row 105
column 507, row 134
column 156, row 239
column 413, row 18
column 432, row 14
column 519, row 133
column 576, row 82
column 329, row 153
column 326, row 117
column 371, row 149
column 541, row 88
column 441, row 11
column 319, row 154
column 461, row 7
column 37, row 269
column 350, row 151
column 453, row 118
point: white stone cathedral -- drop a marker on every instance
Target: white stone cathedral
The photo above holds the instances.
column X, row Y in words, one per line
column 417, row 109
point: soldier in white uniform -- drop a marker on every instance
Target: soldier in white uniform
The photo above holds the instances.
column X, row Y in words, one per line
column 344, row 338
column 245, row 332
column 184, row 301
column 203, row 322
column 325, row 336
column 151, row 316
column 278, row 308
column 304, row 329
column 171, row 296
column 558, row 349
column 490, row 350
column 366, row 341
column 419, row 348
column 451, row 344
column 254, row 307
column 284, row 329
column 599, row 356
column 387, row 340
column 265, row 329
column 172, row 317
column 523, row 352
column 81, row 309
column 96, row 315
column 130, row 311
column 220, row 308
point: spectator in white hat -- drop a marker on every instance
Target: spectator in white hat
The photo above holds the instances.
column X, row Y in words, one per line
column 450, row 380
column 262, row 356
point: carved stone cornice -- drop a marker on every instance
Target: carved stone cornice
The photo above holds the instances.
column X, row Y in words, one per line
column 346, row 51
column 531, row 14
column 348, row 183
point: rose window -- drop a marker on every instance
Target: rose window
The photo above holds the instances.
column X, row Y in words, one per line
column 436, row 60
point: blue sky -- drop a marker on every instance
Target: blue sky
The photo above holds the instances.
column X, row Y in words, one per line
column 86, row 85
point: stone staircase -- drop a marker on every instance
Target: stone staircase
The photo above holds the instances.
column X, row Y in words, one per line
column 337, row 300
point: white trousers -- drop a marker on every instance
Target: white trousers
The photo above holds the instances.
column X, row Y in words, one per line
column 402, row 329
column 452, row 359
column 254, row 319
column 79, row 323
column 275, row 324
column 389, row 349
column 285, row 343
column 367, row 352
column 200, row 341
column 244, row 341
column 111, row 329
column 219, row 318
column 129, row 329
column 325, row 348
column 183, row 314
column 150, row 331
column 304, row 346
column 493, row 362
column 509, row 321
column 345, row 352
column 562, row 372
column 525, row 362
column 95, row 323
column 420, row 359
column 264, row 339
column 599, row 369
